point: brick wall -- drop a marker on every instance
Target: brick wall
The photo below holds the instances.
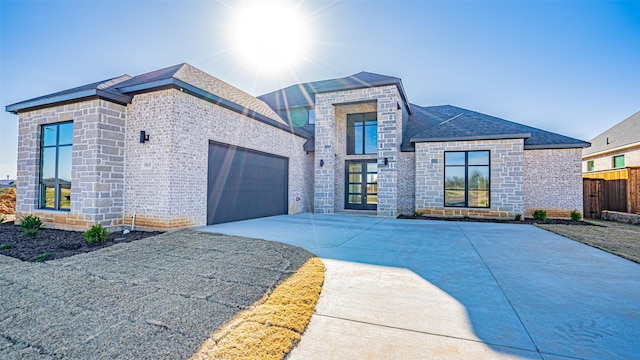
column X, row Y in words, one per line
column 97, row 171
column 506, row 177
column 167, row 177
column 331, row 135
column 553, row 181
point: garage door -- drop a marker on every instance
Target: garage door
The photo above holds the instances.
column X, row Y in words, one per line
column 245, row 184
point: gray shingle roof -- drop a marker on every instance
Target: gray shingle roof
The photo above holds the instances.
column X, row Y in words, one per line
column 304, row 95
column 624, row 133
column 104, row 88
column 449, row 123
column 200, row 79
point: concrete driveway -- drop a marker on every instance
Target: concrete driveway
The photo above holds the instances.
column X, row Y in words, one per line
column 444, row 290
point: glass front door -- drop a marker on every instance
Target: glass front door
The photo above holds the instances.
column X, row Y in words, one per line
column 361, row 191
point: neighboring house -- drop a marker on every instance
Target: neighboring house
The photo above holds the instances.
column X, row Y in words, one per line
column 613, row 150
column 7, row 183
column 177, row 147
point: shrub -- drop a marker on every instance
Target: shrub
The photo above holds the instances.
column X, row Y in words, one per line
column 540, row 215
column 97, row 234
column 575, row 215
column 518, row 217
column 1, row 219
column 31, row 225
column 43, row 257
column 6, row 246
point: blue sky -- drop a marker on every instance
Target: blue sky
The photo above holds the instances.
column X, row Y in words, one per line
column 567, row 67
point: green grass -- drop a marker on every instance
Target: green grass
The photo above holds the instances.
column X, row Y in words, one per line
column 43, row 257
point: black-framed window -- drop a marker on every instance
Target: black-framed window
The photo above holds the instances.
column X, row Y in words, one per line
column 467, row 179
column 362, row 133
column 55, row 166
column 618, row 161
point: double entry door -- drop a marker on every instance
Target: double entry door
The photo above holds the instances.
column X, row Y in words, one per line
column 361, row 185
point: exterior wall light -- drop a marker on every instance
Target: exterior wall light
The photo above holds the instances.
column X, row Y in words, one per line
column 321, row 163
column 143, row 137
column 386, row 161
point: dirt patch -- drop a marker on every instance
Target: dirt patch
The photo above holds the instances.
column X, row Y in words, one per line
column 7, row 201
column 59, row 243
column 615, row 238
column 525, row 221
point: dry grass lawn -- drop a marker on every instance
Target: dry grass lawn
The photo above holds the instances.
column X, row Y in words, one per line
column 616, row 238
column 272, row 327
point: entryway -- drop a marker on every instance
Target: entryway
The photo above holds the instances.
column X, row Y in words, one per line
column 361, row 185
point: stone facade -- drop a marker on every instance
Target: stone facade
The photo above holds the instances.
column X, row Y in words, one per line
column 97, row 171
column 506, row 177
column 330, row 137
column 167, row 177
column 553, row 181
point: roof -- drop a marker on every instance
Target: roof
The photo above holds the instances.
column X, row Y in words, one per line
column 182, row 76
column 105, row 89
column 195, row 77
column 451, row 123
column 624, row 133
column 304, row 95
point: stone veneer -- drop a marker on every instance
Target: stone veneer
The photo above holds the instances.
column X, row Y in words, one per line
column 166, row 177
column 553, row 181
column 330, row 137
column 97, row 171
column 506, row 177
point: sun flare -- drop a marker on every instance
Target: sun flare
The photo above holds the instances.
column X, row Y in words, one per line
column 270, row 35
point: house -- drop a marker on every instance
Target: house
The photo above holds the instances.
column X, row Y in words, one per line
column 178, row 147
column 614, row 150
column 7, row 183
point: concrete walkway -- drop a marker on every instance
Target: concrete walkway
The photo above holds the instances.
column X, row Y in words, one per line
column 448, row 290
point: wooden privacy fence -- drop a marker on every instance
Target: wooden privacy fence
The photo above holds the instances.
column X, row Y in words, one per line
column 621, row 195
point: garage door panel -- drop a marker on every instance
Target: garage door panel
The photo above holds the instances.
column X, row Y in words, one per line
column 245, row 184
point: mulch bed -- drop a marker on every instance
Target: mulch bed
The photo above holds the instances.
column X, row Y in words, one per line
column 59, row 243
column 529, row 221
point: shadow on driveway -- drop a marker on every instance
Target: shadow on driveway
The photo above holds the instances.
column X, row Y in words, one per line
column 523, row 291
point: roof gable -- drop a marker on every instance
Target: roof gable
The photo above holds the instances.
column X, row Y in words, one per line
column 624, row 133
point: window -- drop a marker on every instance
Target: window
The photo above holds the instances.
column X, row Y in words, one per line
column 55, row 166
column 590, row 166
column 466, row 179
column 618, row 161
column 312, row 116
column 362, row 134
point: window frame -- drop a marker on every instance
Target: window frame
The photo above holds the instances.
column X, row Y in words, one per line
column 590, row 165
column 467, row 190
column 311, row 116
column 366, row 120
column 57, row 184
column 614, row 161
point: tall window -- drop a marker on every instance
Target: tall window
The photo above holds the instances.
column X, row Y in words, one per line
column 590, row 166
column 55, row 166
column 362, row 133
column 466, row 179
column 618, row 161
